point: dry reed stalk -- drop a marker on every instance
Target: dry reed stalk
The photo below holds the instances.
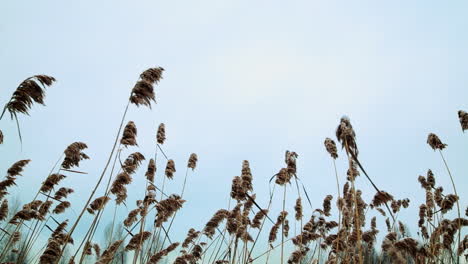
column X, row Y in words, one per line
column 29, row 91
column 435, row 143
column 191, row 164
column 97, row 218
column 142, row 94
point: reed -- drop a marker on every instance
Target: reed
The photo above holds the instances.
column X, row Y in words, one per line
column 231, row 235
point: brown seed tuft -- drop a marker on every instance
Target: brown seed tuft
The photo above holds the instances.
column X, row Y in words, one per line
column 159, row 255
column 29, row 91
column 161, row 134
column 51, row 181
column 192, row 162
column 463, row 116
column 73, row 155
column 346, row 135
column 137, row 240
column 60, row 208
column 434, row 141
column 99, row 203
column 331, row 148
column 151, row 171
column 129, row 135
column 143, row 91
column 170, row 169
column 62, row 193
column 4, row 210
column 381, row 198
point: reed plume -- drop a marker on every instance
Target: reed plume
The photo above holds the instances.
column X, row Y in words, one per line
column 4, row 210
column 1, row 137
column 63, row 192
column 161, row 134
column 136, row 241
column 73, row 155
column 192, row 162
column 166, row 208
column 191, row 236
column 331, row 148
column 159, row 255
column 463, row 117
column 143, row 91
column 434, row 141
column 109, row 253
column 129, row 135
column 51, row 181
column 15, row 170
column 170, row 169
column 60, row 208
column 151, row 171
column 29, row 91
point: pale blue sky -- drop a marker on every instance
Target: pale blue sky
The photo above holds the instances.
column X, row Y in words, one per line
column 244, row 80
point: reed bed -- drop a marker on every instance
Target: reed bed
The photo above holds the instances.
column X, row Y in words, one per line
column 245, row 231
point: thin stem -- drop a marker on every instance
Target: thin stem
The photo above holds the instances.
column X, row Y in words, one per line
column 282, row 225
column 458, row 204
column 97, row 184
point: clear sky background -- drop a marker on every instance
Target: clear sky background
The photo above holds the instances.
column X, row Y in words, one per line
column 243, row 80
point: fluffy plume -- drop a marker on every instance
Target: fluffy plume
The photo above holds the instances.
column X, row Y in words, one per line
column 161, row 134
column 98, row 203
column 51, row 181
column 17, row 168
column 132, row 217
column 137, row 240
column 74, row 154
column 60, row 208
column 331, row 147
column 192, row 162
column 298, row 209
column 132, row 162
column 346, row 135
column 129, row 135
column 4, row 210
column 214, row 222
column 327, row 205
column 166, row 208
column 14, row 171
column 158, row 256
column 283, row 177
column 381, row 197
column 151, row 171
column 143, row 91
column 53, row 250
column 62, row 193
column 246, row 177
column 170, row 169
column 109, row 253
column 434, row 141
column 237, row 191
column 1, row 137
column 44, row 208
column 192, row 235
column 257, row 220
column 463, row 116
column 25, row 215
column 29, row 91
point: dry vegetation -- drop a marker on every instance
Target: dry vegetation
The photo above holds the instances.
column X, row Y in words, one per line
column 232, row 233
